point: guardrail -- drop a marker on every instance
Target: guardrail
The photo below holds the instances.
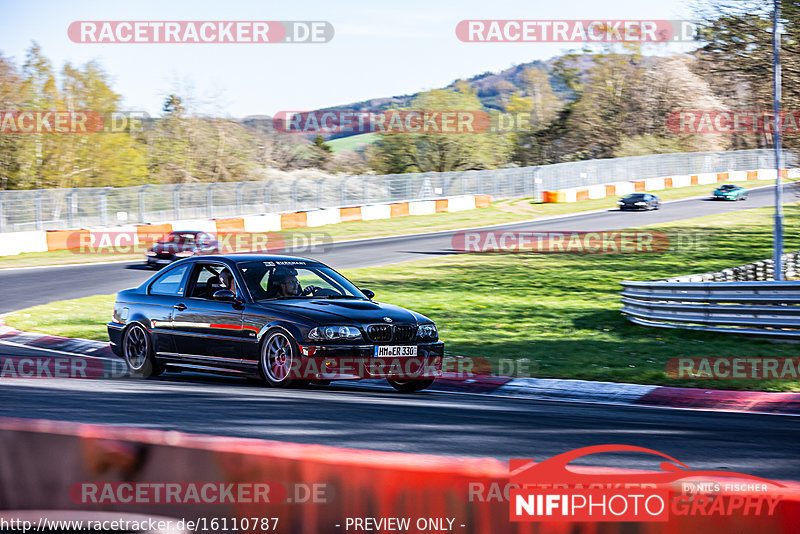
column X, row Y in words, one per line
column 770, row 309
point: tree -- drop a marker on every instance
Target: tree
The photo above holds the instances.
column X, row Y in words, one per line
column 441, row 152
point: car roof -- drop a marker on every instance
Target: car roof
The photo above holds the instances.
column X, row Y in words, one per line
column 238, row 258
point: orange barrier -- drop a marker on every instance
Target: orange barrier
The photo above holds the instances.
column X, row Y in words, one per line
column 582, row 194
column 784, row 173
column 66, row 239
column 638, row 185
column 667, row 183
column 350, row 214
column 611, row 190
column 400, row 209
column 294, row 220
column 47, row 463
column 695, row 180
column 752, row 175
column 483, row 201
column 551, row 196
column 230, row 226
column 441, row 206
column 722, row 176
column 150, row 233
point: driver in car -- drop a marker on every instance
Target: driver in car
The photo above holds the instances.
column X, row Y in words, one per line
column 284, row 282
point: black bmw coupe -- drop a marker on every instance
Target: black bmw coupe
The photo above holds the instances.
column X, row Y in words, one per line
column 284, row 320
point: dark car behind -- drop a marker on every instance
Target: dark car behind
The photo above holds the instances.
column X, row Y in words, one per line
column 639, row 201
column 178, row 245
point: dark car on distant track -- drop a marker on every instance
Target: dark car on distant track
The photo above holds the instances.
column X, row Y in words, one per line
column 639, row 201
column 729, row 192
column 178, row 245
column 285, row 320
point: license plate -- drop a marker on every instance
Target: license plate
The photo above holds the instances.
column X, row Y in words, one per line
column 163, row 261
column 390, row 351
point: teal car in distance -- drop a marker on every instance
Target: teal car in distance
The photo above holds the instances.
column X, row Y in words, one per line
column 729, row 192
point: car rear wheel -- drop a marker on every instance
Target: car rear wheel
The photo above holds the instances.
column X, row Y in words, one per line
column 278, row 354
column 409, row 386
column 137, row 349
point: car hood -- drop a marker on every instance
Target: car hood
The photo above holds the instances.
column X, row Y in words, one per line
column 328, row 311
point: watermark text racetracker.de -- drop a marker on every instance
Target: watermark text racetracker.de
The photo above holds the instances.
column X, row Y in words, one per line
column 200, row 492
column 733, row 122
column 575, row 31
column 199, row 31
column 124, row 242
column 71, row 122
column 734, row 368
column 403, row 121
column 568, row 242
column 61, row 366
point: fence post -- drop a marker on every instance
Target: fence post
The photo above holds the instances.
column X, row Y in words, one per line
column 141, row 194
column 267, row 194
column 2, row 212
column 210, row 200
column 176, row 201
column 71, row 207
column 104, row 206
column 37, row 202
column 239, row 203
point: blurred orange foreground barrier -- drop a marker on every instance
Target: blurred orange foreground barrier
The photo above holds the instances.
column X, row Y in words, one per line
column 40, row 461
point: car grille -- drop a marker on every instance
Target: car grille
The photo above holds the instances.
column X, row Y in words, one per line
column 403, row 333
column 387, row 332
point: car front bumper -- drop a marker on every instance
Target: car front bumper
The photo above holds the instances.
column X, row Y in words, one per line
column 348, row 362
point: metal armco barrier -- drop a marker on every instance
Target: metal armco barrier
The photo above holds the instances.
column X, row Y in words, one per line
column 42, row 461
column 765, row 308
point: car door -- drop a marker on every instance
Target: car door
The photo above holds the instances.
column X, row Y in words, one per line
column 162, row 294
column 205, row 329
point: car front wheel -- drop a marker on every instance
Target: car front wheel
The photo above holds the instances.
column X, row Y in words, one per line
column 137, row 349
column 409, row 386
column 278, row 356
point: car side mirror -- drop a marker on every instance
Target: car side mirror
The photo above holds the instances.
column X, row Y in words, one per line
column 225, row 294
column 369, row 293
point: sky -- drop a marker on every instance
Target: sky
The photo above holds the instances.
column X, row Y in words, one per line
column 379, row 49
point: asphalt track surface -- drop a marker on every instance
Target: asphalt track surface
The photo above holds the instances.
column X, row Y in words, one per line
column 374, row 417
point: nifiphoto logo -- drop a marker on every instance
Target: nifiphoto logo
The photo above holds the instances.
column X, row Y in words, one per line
column 551, row 491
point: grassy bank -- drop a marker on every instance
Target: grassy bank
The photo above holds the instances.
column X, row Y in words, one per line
column 558, row 311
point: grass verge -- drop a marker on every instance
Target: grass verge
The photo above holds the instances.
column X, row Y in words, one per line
column 558, row 311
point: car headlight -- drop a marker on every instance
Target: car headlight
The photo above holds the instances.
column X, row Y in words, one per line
column 619, row 202
column 427, row 331
column 150, row 253
column 184, row 254
column 641, row 203
column 334, row 332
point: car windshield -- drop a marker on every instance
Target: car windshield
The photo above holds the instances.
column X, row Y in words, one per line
column 728, row 187
column 634, row 197
column 295, row 280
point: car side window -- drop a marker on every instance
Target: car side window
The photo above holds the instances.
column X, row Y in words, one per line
column 170, row 283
